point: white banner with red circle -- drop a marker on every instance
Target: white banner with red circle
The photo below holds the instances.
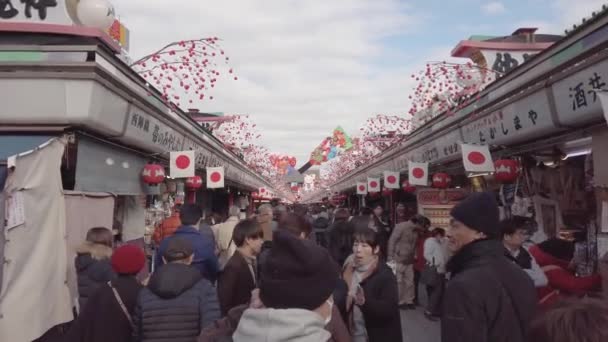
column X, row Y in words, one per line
column 361, row 188
column 391, row 180
column 215, row 177
column 182, row 164
column 477, row 158
column 418, row 173
column 373, row 184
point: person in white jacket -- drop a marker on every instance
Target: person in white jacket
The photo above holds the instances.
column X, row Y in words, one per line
column 223, row 236
column 436, row 254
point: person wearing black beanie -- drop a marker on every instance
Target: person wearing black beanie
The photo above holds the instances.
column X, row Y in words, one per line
column 488, row 298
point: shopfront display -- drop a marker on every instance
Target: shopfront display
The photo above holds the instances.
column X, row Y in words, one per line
column 437, row 204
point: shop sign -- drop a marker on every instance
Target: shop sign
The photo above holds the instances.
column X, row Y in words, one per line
column 151, row 132
column 575, row 99
column 37, row 11
column 441, row 148
column 504, row 61
column 440, row 197
column 527, row 118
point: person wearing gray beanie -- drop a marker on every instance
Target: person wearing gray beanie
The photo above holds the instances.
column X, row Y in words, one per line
column 488, row 297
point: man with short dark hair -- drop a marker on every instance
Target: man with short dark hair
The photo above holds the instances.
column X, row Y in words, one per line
column 178, row 302
column 239, row 276
column 514, row 233
column 205, row 259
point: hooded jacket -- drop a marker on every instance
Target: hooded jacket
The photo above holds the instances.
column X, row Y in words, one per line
column 489, row 298
column 93, row 269
column 177, row 304
column 281, row 325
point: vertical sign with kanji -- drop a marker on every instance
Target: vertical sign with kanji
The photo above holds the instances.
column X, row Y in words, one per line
column 37, row 11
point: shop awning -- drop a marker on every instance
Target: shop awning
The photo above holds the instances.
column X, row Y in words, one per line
column 11, row 145
column 101, row 167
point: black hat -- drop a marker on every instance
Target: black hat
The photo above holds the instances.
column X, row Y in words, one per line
column 479, row 211
column 298, row 274
column 178, row 249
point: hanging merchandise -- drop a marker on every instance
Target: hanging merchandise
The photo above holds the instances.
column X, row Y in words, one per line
column 373, row 184
column 507, row 170
column 361, row 188
column 215, row 177
column 477, row 158
column 182, row 164
column 418, row 173
column 180, row 194
column 194, row 183
column 153, row 174
column 441, row 180
column 391, row 179
column 407, row 187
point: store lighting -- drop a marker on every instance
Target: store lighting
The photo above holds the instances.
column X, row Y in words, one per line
column 479, row 174
column 583, row 152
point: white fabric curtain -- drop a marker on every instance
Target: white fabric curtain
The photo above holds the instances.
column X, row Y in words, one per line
column 35, row 295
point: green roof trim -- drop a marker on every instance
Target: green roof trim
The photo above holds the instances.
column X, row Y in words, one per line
column 22, row 56
column 480, row 38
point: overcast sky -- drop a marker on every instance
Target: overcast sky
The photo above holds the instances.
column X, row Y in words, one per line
column 306, row 66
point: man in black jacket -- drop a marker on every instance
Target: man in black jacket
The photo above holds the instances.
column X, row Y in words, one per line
column 178, row 302
column 489, row 298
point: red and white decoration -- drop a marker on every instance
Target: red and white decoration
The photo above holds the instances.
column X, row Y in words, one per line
column 391, row 180
column 182, row 164
column 441, row 180
column 407, row 187
column 263, row 192
column 361, row 188
column 507, row 170
column 477, row 158
column 215, row 177
column 153, row 174
column 194, row 183
column 373, row 184
column 418, row 173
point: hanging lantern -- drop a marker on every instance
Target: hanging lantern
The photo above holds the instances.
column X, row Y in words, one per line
column 194, row 183
column 153, row 174
column 441, row 180
column 96, row 13
column 407, row 187
column 507, row 170
column 387, row 192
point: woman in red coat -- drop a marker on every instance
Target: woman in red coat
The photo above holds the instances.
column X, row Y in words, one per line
column 554, row 257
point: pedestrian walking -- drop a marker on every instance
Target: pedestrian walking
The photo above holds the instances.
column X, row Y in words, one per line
column 93, row 267
column 295, row 298
column 488, row 298
column 340, row 237
column 168, row 226
column 401, row 250
column 381, row 225
column 205, row 259
column 373, row 296
column 178, row 302
column 572, row 321
column 264, row 217
column 436, row 256
column 239, row 277
column 107, row 316
column 223, row 237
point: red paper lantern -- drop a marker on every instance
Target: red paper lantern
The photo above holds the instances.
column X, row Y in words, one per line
column 153, row 174
column 507, row 170
column 194, row 183
column 387, row 192
column 407, row 187
column 441, row 180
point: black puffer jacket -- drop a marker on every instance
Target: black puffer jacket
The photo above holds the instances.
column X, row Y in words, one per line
column 177, row 304
column 93, row 269
column 488, row 299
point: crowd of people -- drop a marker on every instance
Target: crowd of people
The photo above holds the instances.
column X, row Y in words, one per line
column 298, row 273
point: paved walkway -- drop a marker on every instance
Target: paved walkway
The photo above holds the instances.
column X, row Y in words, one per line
column 416, row 328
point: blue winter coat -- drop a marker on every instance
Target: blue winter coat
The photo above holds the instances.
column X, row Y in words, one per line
column 205, row 259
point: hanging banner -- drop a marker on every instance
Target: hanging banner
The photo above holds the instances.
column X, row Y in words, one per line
column 182, row 164
column 391, row 180
column 373, row 184
column 215, row 177
column 477, row 158
column 361, row 188
column 418, row 173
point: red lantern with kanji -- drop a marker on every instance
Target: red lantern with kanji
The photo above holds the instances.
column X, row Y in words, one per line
column 153, row 174
column 507, row 170
column 441, row 180
column 194, row 183
column 407, row 187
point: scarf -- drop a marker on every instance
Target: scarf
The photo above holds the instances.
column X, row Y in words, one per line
column 353, row 276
